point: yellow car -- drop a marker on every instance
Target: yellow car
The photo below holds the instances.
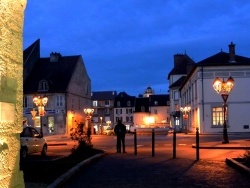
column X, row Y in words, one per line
column 109, row 131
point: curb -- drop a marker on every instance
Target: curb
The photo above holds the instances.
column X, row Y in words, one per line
column 63, row 178
column 57, row 144
column 221, row 147
column 238, row 166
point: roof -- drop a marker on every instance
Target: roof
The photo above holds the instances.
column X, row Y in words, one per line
column 57, row 74
column 222, row 58
column 142, row 102
column 219, row 59
column 182, row 66
column 123, row 98
column 162, row 100
column 178, row 82
column 103, row 95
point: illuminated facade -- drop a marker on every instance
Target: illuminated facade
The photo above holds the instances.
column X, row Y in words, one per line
column 11, row 94
column 196, row 91
column 64, row 80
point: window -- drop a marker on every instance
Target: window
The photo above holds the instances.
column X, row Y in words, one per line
column 218, row 118
column 176, row 95
column 129, row 111
column 59, row 100
column 129, row 119
column 107, row 111
column 118, row 111
column 28, row 102
column 128, row 103
column 142, row 108
column 118, row 103
column 107, row 103
column 177, row 121
column 43, row 85
column 94, row 103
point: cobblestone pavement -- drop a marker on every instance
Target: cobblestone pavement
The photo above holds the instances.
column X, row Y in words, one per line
column 144, row 171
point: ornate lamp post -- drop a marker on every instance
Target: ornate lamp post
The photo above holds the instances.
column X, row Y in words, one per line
column 224, row 88
column 33, row 113
column 185, row 111
column 40, row 102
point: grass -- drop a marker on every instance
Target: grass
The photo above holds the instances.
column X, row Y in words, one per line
column 48, row 171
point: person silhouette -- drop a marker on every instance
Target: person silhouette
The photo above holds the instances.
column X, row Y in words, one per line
column 120, row 131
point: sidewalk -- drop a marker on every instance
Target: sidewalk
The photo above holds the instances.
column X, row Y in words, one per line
column 144, row 171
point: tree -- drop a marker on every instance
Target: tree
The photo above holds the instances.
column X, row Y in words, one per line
column 82, row 137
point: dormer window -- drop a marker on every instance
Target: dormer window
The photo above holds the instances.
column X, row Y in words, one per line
column 118, row 103
column 43, row 86
column 128, row 103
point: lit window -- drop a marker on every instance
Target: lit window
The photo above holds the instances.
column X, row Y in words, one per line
column 218, row 118
column 94, row 103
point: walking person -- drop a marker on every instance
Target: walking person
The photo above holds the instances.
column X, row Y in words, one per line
column 120, row 131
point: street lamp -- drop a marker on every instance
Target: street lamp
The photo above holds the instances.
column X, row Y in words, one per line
column 101, row 124
column 40, row 102
column 185, row 111
column 88, row 112
column 224, row 88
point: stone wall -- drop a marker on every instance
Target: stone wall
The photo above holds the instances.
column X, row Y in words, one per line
column 11, row 90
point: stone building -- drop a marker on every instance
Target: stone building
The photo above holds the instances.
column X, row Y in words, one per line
column 64, row 80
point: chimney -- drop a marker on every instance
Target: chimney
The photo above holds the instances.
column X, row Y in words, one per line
column 54, row 56
column 231, row 52
column 178, row 59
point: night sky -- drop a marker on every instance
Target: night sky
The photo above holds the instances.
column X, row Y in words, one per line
column 128, row 45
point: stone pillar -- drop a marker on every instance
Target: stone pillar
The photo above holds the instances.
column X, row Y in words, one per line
column 11, row 90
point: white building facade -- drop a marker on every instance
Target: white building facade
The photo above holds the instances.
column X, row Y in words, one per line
column 197, row 92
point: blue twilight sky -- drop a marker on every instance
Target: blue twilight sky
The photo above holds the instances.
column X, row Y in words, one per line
column 128, row 45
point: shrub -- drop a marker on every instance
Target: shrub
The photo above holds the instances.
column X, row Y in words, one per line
column 246, row 157
column 83, row 138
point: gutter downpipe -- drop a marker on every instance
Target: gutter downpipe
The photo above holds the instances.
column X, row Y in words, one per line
column 202, row 101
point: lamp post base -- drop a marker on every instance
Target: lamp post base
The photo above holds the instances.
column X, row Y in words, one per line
column 225, row 137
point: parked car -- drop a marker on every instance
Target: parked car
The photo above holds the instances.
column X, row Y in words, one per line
column 32, row 142
column 109, row 131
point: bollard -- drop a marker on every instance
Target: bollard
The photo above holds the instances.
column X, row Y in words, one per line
column 174, row 144
column 135, row 143
column 197, row 145
column 153, row 142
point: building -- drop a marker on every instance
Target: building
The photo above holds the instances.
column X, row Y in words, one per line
column 123, row 109
column 64, row 80
column 152, row 111
column 103, row 105
column 183, row 64
column 206, row 106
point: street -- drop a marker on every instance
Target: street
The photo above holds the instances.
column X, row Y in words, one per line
column 164, row 144
column 60, row 146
